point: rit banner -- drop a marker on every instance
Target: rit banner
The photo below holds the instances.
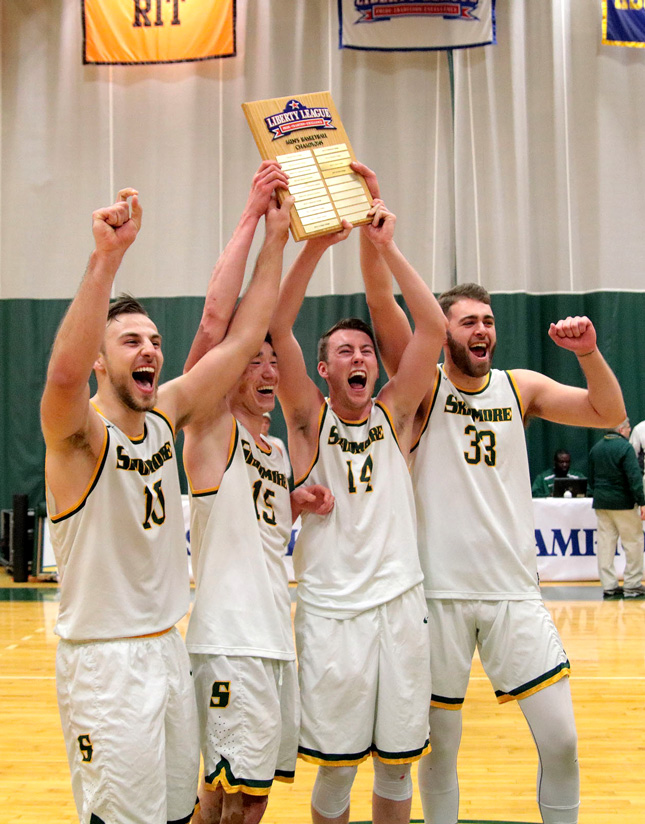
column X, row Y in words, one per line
column 623, row 23
column 415, row 25
column 157, row 31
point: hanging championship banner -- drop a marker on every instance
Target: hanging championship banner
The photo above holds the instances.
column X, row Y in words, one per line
column 157, row 31
column 416, row 25
column 623, row 23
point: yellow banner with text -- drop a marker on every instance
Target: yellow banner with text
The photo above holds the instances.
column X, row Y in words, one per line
column 157, row 31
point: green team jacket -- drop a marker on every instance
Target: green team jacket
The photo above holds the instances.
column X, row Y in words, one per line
column 614, row 474
column 543, row 483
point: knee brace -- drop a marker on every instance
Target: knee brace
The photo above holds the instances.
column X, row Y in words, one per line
column 332, row 789
column 392, row 781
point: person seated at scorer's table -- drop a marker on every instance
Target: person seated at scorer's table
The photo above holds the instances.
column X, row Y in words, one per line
column 543, row 484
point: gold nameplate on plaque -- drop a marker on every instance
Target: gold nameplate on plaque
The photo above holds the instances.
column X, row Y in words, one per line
column 305, row 135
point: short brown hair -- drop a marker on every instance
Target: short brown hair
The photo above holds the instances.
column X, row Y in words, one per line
column 463, row 290
column 345, row 323
column 125, row 304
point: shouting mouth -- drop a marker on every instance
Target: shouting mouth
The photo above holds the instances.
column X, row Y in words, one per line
column 144, row 377
column 479, row 350
column 358, row 379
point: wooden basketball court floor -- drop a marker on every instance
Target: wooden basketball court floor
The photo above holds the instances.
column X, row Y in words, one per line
column 605, row 642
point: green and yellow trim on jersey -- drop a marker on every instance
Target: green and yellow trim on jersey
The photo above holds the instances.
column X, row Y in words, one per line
column 362, row 422
column 321, row 420
column 93, row 481
column 473, row 391
column 516, row 392
column 388, row 418
column 433, row 400
column 435, row 392
column 137, row 439
column 561, row 671
column 141, row 438
column 164, row 417
column 264, row 446
column 199, row 493
column 222, row 774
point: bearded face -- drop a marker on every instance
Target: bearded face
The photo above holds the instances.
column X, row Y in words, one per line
column 131, row 360
column 121, row 385
column 471, row 337
column 474, row 361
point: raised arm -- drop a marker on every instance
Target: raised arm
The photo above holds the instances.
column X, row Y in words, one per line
column 192, row 397
column 391, row 326
column 417, row 364
column 227, row 276
column 299, row 396
column 65, row 409
column 599, row 405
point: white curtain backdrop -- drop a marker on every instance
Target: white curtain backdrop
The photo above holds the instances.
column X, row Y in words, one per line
column 549, row 154
column 531, row 182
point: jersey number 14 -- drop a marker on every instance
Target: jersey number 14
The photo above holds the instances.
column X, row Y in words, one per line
column 365, row 476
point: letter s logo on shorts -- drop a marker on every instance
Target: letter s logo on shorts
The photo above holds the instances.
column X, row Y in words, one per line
column 221, row 694
column 86, row 748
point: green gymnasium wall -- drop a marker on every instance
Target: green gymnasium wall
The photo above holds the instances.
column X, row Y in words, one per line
column 28, row 329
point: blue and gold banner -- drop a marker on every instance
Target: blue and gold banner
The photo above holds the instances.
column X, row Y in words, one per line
column 157, row 31
column 415, row 25
column 623, row 23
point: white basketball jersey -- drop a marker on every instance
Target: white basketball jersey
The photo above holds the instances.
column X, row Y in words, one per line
column 363, row 553
column 473, row 493
column 121, row 550
column 238, row 536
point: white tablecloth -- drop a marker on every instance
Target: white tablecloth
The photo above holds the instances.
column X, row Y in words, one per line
column 565, row 541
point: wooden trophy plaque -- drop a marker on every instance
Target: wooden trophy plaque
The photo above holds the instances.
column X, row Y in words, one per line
column 305, row 135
